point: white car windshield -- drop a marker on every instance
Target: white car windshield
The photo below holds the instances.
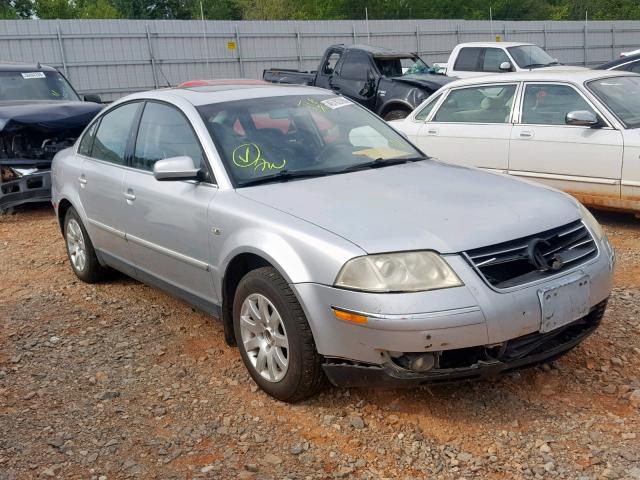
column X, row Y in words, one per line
column 621, row 95
column 279, row 138
column 37, row 85
column 531, row 56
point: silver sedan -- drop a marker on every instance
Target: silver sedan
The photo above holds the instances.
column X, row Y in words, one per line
column 328, row 245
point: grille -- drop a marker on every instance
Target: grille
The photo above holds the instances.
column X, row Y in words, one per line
column 509, row 264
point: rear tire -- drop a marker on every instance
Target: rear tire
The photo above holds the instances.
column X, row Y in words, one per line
column 82, row 255
column 274, row 337
column 397, row 114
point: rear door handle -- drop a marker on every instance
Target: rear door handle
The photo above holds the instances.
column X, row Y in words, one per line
column 526, row 134
column 83, row 180
column 432, row 131
column 129, row 195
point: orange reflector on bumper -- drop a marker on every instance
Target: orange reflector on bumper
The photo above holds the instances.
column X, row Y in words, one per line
column 349, row 316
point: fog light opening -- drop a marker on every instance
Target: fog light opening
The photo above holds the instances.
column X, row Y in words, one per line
column 418, row 362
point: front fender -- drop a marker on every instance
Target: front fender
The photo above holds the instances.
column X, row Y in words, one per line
column 268, row 245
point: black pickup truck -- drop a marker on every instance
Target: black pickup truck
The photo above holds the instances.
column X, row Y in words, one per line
column 387, row 82
column 40, row 114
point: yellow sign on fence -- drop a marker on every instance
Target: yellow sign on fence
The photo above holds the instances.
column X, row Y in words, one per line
column 231, row 45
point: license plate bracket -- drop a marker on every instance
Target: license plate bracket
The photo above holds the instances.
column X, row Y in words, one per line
column 564, row 303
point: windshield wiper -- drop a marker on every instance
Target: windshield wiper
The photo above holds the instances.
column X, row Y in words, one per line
column 539, row 65
column 380, row 162
column 283, row 176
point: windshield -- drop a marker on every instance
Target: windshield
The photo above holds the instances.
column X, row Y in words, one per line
column 35, row 86
column 531, row 56
column 621, row 95
column 397, row 66
column 307, row 135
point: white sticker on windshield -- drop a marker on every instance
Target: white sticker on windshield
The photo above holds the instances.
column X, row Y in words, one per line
column 337, row 102
column 33, row 75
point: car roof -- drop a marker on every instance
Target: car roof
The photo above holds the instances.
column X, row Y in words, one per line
column 24, row 67
column 619, row 61
column 228, row 91
column 571, row 76
column 493, row 44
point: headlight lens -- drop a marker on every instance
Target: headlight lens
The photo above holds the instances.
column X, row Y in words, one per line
column 397, row 272
column 591, row 222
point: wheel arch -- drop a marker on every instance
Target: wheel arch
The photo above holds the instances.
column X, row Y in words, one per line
column 236, row 268
column 394, row 105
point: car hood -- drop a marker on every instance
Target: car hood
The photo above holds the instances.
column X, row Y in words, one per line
column 422, row 205
column 46, row 116
column 424, row 79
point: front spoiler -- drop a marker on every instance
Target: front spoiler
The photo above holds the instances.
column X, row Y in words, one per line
column 523, row 352
column 33, row 187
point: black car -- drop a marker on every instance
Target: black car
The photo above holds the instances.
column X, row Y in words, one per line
column 40, row 114
column 387, row 82
column 627, row 64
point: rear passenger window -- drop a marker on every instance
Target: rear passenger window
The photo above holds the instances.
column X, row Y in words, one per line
column 549, row 104
column 113, row 134
column 164, row 133
column 468, row 59
column 477, row 105
column 87, row 141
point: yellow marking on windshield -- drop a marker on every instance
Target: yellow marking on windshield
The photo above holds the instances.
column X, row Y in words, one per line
column 249, row 155
column 54, row 93
column 313, row 104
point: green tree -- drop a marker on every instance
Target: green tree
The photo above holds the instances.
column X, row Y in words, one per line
column 97, row 9
column 7, row 11
column 53, row 9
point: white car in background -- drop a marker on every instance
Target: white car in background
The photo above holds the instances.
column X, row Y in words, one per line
column 577, row 131
column 476, row 59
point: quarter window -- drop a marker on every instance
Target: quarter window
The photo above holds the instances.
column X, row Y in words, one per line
column 164, row 133
column 84, row 148
column 330, row 64
column 113, row 134
column 548, row 104
column 478, row 105
column 422, row 115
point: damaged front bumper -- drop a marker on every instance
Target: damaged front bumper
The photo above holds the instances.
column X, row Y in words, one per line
column 521, row 352
column 24, row 181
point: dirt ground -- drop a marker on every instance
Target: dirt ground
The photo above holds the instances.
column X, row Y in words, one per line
column 119, row 380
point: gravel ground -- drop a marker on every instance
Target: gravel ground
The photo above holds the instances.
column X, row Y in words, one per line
column 119, row 380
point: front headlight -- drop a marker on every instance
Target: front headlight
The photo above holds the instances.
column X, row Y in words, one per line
column 397, row 272
column 591, row 222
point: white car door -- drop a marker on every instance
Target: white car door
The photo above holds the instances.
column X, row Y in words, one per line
column 472, row 126
column 585, row 161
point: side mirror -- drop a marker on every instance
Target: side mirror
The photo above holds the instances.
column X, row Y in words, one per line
column 582, row 118
column 93, row 98
column 505, row 67
column 175, row 168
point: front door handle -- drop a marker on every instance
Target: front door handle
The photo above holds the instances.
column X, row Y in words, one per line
column 432, row 131
column 83, row 180
column 526, row 134
column 129, row 195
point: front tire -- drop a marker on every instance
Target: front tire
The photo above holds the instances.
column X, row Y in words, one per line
column 274, row 337
column 82, row 255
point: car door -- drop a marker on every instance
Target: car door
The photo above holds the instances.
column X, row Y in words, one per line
column 166, row 221
column 356, row 79
column 101, row 183
column 472, row 126
column 579, row 159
